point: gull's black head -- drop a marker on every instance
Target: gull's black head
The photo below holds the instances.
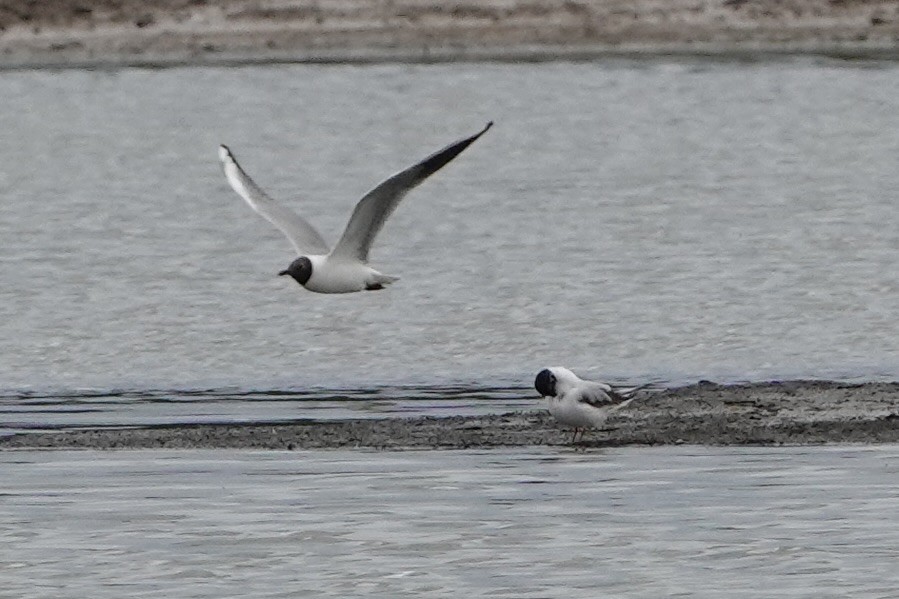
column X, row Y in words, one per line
column 545, row 383
column 300, row 269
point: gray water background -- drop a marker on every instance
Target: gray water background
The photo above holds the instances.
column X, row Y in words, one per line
column 531, row 522
column 656, row 220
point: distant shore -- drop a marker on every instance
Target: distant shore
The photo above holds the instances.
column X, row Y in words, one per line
column 172, row 32
column 795, row 412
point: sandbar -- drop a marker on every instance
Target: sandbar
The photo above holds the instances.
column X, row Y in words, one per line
column 706, row 413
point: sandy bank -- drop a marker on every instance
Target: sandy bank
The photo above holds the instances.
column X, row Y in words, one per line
column 799, row 412
column 73, row 32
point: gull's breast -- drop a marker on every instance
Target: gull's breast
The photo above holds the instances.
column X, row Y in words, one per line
column 337, row 276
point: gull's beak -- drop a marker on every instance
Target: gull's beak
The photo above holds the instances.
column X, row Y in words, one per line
column 282, row 273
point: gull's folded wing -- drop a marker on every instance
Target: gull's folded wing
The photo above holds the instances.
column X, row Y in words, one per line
column 596, row 394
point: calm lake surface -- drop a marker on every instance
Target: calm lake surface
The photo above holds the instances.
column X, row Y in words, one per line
column 633, row 220
column 643, row 523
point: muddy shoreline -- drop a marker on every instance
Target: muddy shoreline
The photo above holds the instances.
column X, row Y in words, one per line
column 108, row 33
column 777, row 413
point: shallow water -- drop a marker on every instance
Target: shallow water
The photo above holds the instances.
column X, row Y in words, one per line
column 28, row 412
column 630, row 522
column 653, row 220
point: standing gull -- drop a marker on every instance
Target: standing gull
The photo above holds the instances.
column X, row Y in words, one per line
column 345, row 268
column 578, row 403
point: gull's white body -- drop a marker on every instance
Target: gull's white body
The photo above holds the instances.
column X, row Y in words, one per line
column 570, row 411
column 343, row 269
column 334, row 275
column 580, row 404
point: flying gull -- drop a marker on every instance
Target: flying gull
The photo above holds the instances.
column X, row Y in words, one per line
column 578, row 403
column 343, row 269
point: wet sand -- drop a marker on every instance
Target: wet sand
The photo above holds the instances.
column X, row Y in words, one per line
column 171, row 32
column 796, row 412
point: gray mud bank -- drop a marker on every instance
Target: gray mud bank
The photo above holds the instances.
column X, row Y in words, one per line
column 110, row 33
column 796, row 412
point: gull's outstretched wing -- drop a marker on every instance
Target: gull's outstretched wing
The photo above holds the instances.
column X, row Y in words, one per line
column 301, row 234
column 377, row 205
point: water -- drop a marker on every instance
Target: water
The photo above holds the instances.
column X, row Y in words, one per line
column 652, row 220
column 672, row 522
column 28, row 412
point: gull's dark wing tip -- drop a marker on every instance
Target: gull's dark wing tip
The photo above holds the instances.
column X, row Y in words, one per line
column 616, row 396
column 438, row 160
column 479, row 133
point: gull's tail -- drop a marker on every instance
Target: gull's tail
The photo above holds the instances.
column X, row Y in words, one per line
column 386, row 279
column 626, row 395
column 379, row 281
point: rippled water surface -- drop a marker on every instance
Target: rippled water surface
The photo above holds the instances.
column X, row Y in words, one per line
column 637, row 220
column 112, row 409
column 689, row 522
